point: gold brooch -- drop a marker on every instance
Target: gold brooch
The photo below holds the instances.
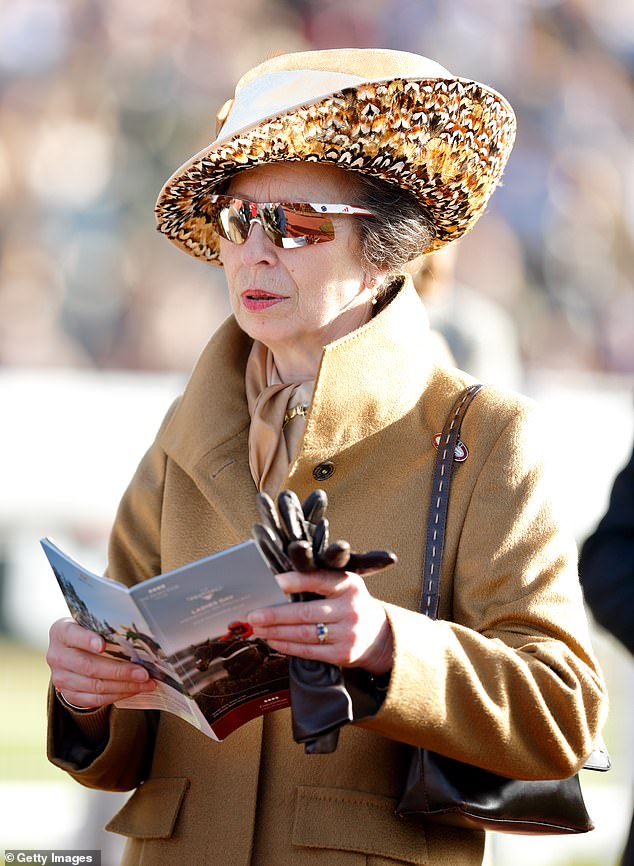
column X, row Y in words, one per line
column 299, row 409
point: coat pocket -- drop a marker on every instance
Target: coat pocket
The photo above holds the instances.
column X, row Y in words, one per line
column 356, row 821
column 152, row 810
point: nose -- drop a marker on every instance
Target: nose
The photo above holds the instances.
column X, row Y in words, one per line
column 258, row 247
column 254, row 220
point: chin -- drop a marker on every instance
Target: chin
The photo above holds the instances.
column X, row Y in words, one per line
column 267, row 331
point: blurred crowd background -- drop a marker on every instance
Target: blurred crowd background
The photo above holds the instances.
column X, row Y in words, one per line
column 101, row 319
column 101, row 101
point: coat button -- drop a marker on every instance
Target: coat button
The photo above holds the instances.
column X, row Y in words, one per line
column 323, row 471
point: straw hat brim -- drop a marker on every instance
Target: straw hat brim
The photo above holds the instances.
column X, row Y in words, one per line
column 445, row 140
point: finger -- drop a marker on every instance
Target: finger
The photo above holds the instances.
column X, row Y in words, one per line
column 317, row 652
column 314, row 506
column 84, row 695
column 301, row 633
column 372, row 561
column 301, row 556
column 320, row 537
column 71, row 662
column 271, row 548
column 336, row 555
column 268, row 514
column 85, row 691
column 300, row 613
column 322, row 583
column 75, row 683
column 70, row 634
column 292, row 516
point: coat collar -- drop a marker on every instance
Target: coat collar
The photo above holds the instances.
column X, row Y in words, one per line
column 367, row 380
column 212, row 410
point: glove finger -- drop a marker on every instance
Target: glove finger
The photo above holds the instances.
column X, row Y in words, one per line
column 269, row 518
column 373, row 560
column 292, row 516
column 314, row 506
column 269, row 546
column 337, row 554
column 320, row 538
column 301, row 556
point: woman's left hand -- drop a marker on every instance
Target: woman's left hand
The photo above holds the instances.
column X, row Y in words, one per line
column 358, row 633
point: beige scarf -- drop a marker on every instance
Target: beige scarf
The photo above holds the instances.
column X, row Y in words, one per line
column 272, row 442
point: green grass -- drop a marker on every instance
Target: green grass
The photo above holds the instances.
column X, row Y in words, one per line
column 23, row 684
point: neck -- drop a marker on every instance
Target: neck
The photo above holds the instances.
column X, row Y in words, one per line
column 299, row 359
column 295, row 366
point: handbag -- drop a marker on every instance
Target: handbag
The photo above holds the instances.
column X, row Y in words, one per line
column 451, row 791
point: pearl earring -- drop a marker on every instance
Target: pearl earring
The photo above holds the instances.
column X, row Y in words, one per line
column 371, row 284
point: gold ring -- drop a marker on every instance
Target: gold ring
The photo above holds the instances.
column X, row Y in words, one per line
column 322, row 632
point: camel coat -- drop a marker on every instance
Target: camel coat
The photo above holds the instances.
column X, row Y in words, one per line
column 506, row 679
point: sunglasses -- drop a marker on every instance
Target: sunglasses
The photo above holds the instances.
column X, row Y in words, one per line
column 287, row 224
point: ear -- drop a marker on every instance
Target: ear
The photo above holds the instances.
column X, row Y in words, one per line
column 373, row 281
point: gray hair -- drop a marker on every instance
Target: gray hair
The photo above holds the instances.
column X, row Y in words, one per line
column 400, row 231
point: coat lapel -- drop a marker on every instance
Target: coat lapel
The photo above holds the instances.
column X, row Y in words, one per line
column 207, row 435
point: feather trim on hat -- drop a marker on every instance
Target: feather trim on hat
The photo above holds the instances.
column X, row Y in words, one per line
column 445, row 140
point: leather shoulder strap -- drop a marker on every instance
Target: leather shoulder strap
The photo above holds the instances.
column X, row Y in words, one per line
column 435, row 536
column 437, row 519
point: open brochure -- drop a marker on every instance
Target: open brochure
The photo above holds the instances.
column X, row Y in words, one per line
column 188, row 628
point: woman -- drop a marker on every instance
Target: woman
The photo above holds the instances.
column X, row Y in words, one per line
column 324, row 377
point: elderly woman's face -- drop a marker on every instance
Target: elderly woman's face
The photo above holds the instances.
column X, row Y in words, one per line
column 297, row 300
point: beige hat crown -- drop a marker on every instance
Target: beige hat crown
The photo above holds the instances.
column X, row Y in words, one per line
column 393, row 115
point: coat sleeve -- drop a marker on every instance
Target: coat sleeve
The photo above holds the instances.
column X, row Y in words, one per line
column 606, row 566
column 119, row 760
column 113, row 754
column 511, row 684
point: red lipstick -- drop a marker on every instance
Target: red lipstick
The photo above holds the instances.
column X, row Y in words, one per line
column 259, row 299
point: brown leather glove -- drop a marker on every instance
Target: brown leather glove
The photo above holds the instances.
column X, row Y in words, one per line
column 295, row 537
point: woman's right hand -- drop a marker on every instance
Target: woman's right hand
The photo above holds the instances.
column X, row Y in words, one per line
column 85, row 677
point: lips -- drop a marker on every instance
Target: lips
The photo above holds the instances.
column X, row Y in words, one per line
column 259, row 299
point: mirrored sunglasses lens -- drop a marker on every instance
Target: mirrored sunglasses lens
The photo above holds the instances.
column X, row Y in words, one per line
column 305, row 226
column 273, row 222
column 230, row 225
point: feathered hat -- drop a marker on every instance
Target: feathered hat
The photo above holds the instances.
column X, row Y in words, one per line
column 390, row 114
